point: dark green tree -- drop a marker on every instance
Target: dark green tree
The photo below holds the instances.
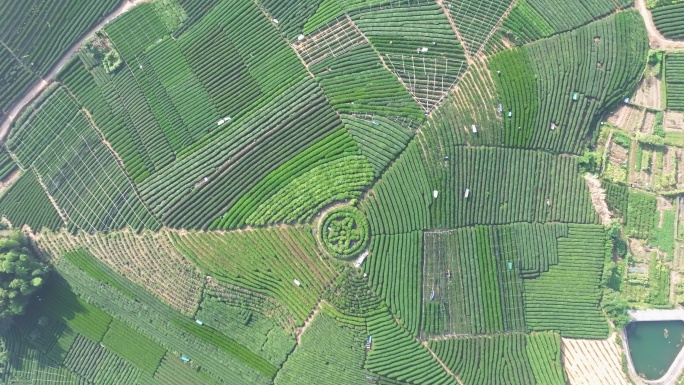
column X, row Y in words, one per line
column 21, row 274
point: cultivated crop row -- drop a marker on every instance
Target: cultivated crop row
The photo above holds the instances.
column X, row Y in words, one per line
column 356, row 83
column 396, row 355
column 504, row 358
column 674, row 77
column 485, row 185
column 400, row 201
column 556, row 91
column 669, row 19
column 475, row 20
column 394, row 274
column 25, row 203
column 379, row 139
column 419, row 45
column 267, row 261
column 79, row 172
column 149, row 260
column 99, row 365
column 567, row 297
column 159, row 322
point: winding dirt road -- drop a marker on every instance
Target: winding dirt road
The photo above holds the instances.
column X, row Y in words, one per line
column 48, row 79
column 656, row 40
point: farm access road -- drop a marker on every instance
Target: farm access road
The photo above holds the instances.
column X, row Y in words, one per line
column 656, row 40
column 43, row 83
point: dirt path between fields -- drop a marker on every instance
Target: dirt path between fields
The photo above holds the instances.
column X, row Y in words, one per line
column 656, row 40
column 48, row 79
column 598, row 198
column 309, row 320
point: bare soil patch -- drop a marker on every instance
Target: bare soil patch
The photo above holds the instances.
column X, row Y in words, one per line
column 627, row 117
column 673, row 121
column 593, row 362
column 649, row 93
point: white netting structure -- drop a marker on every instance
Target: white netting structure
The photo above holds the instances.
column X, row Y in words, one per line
column 428, row 80
column 334, row 39
column 454, row 294
column 78, row 171
column 476, row 20
column 403, row 121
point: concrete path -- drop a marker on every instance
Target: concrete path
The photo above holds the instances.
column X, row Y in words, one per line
column 48, row 79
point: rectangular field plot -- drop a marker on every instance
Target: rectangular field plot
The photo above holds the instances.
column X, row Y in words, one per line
column 471, row 283
column 56, row 140
column 333, row 39
column 674, row 77
column 476, row 20
column 473, row 277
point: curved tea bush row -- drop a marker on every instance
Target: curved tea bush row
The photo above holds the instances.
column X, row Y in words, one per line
column 135, row 30
column 251, row 329
column 396, row 355
column 418, row 43
column 476, row 19
column 313, row 362
column 16, row 80
column 558, row 89
column 616, row 198
column 7, row 165
column 400, row 201
column 669, row 19
column 356, row 83
column 336, row 146
column 290, row 14
column 95, row 92
column 266, row 261
column 380, row 140
column 504, row 358
column 311, row 120
column 134, row 347
column 567, row 297
column 509, row 185
column 472, row 103
column 211, row 57
column 566, row 15
column 472, row 282
column 674, row 78
column 338, row 180
column 173, row 370
column 97, row 364
column 344, row 232
column 393, row 268
column 524, row 24
column 25, row 203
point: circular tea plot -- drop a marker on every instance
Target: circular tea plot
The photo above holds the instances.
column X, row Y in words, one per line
column 344, row 232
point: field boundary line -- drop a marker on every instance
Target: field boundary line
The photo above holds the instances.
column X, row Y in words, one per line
column 45, row 81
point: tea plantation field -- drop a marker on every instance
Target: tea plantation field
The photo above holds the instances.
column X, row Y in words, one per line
column 330, row 191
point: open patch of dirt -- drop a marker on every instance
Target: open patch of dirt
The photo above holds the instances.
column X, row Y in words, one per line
column 593, row 362
column 649, row 123
column 598, row 198
column 673, row 121
column 627, row 117
column 618, row 154
column 649, row 93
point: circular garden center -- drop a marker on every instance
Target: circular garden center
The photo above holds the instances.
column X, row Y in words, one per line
column 344, row 232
